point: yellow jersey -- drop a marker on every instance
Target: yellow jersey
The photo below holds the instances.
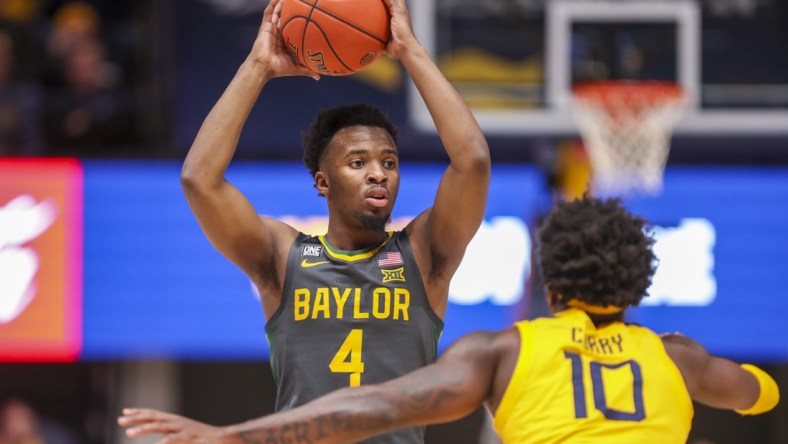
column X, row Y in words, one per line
column 576, row 383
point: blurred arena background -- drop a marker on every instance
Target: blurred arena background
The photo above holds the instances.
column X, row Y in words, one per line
column 110, row 296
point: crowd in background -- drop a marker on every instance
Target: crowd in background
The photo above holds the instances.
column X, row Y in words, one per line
column 21, row 424
column 66, row 80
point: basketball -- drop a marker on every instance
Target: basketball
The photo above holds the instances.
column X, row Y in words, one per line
column 335, row 37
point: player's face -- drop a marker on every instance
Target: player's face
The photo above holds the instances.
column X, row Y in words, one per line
column 361, row 175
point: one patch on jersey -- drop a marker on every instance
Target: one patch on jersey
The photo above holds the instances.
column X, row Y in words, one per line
column 390, row 259
column 397, row 275
column 311, row 250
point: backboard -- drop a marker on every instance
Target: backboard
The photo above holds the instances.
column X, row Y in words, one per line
column 515, row 61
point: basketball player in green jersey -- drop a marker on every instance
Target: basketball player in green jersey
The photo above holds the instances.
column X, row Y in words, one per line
column 357, row 305
column 580, row 376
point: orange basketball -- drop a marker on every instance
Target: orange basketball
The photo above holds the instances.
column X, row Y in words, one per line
column 335, row 37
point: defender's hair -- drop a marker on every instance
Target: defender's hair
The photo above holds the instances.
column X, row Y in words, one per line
column 328, row 122
column 595, row 251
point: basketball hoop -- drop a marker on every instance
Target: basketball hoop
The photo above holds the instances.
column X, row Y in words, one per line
column 626, row 127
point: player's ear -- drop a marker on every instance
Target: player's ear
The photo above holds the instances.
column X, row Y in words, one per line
column 553, row 298
column 321, row 183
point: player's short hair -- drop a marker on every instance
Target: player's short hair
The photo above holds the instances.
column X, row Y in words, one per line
column 597, row 252
column 329, row 121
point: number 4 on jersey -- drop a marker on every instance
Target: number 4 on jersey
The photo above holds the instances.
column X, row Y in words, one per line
column 348, row 357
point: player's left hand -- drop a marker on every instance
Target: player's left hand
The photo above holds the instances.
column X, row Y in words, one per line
column 175, row 429
column 402, row 37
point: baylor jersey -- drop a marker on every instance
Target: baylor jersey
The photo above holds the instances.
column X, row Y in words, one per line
column 575, row 383
column 350, row 319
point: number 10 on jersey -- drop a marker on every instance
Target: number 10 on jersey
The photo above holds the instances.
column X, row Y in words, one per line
column 598, row 388
column 348, row 357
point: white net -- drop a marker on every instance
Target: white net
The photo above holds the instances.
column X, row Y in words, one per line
column 626, row 128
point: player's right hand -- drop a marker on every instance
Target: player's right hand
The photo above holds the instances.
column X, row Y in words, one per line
column 269, row 48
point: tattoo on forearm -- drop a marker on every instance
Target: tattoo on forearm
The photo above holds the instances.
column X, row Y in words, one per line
column 312, row 431
column 319, row 424
column 432, row 399
column 365, row 415
column 298, row 433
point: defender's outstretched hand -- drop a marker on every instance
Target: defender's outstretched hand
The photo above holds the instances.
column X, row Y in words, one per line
column 175, row 429
column 269, row 48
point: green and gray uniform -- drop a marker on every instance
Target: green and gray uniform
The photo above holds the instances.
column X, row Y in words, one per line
column 350, row 318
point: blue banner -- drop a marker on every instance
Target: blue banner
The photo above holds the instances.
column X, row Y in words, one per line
column 155, row 287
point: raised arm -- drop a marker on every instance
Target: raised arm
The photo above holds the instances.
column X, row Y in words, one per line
column 453, row 387
column 719, row 382
column 460, row 201
column 225, row 215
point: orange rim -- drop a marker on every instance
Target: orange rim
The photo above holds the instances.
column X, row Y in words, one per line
column 622, row 91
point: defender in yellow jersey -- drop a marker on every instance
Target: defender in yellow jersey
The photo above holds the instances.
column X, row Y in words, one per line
column 576, row 382
column 581, row 376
